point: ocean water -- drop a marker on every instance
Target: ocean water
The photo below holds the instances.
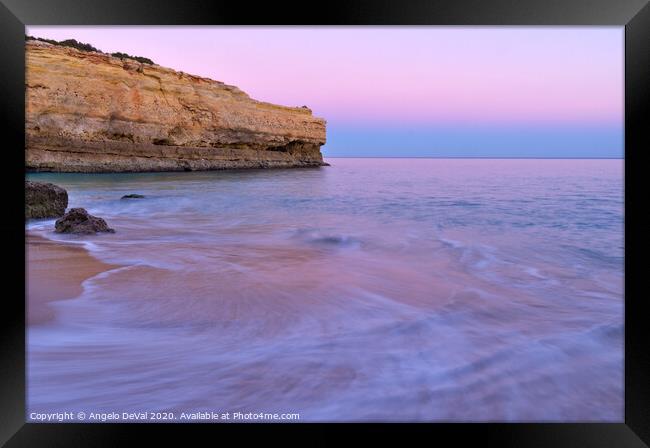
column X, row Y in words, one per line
column 371, row 290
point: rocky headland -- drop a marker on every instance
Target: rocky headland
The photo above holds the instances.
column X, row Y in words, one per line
column 88, row 111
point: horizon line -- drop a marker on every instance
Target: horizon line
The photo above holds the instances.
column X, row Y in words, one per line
column 472, row 157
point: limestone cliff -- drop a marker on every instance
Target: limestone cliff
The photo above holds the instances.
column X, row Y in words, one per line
column 91, row 112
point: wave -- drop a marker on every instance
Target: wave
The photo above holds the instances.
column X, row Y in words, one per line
column 363, row 296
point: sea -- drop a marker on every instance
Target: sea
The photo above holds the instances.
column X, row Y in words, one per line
column 415, row 290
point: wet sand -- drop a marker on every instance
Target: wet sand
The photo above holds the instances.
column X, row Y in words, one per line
column 55, row 271
column 383, row 290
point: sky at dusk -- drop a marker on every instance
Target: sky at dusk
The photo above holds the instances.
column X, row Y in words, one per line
column 411, row 91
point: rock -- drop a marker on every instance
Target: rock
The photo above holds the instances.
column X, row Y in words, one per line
column 132, row 196
column 91, row 112
column 77, row 220
column 44, row 200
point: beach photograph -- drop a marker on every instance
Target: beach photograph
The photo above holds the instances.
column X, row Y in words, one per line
column 269, row 224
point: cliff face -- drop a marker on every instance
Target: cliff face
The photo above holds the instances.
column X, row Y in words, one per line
column 91, row 112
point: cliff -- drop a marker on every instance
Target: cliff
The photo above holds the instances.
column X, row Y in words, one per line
column 92, row 112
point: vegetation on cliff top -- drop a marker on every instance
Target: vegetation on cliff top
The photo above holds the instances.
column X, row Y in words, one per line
column 137, row 58
column 87, row 47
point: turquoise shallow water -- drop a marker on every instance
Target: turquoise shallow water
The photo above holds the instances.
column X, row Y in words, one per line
column 374, row 289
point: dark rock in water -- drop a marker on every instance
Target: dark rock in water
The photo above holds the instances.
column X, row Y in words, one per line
column 133, row 196
column 77, row 220
column 44, row 200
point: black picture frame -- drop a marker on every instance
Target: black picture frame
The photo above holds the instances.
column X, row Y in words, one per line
column 634, row 15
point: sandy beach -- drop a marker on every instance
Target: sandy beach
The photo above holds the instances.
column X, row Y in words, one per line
column 378, row 290
column 391, row 225
column 55, row 271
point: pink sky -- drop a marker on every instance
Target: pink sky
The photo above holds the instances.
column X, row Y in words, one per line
column 415, row 76
column 390, row 73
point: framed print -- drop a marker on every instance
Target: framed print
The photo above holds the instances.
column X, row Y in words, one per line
column 373, row 218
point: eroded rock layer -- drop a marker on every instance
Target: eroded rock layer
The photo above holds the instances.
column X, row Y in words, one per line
column 91, row 112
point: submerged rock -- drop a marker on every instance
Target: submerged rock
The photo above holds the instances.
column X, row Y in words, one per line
column 78, row 220
column 133, row 196
column 44, row 200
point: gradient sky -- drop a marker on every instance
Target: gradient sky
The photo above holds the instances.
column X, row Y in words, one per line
column 411, row 91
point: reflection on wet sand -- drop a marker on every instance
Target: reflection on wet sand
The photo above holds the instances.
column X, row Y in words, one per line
column 412, row 310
